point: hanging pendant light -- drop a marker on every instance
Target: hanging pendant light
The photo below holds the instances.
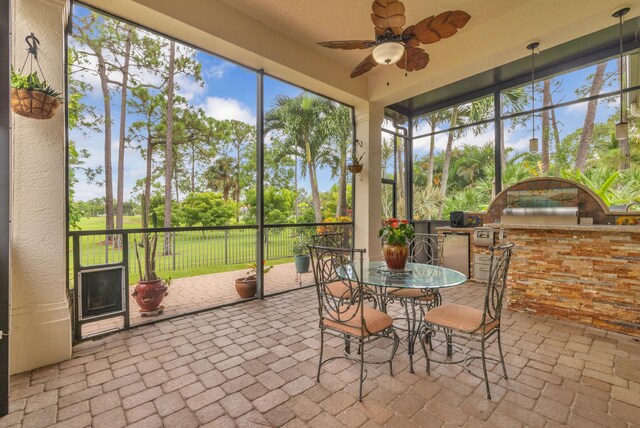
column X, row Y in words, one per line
column 622, row 127
column 533, row 142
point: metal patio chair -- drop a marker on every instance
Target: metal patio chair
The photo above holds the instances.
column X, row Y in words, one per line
column 470, row 323
column 345, row 314
column 333, row 239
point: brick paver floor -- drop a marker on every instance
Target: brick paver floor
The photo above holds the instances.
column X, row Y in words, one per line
column 253, row 364
column 201, row 292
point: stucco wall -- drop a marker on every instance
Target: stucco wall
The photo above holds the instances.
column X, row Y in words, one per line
column 41, row 326
column 368, row 204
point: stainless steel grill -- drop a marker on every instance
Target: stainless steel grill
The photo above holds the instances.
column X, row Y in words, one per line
column 547, row 215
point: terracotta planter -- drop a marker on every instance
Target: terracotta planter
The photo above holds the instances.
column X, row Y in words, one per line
column 33, row 104
column 149, row 294
column 246, row 287
column 395, row 255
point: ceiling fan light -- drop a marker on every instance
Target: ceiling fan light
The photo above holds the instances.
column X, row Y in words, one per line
column 622, row 131
column 388, row 52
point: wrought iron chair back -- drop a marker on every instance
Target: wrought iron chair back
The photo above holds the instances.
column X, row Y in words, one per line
column 497, row 284
column 342, row 307
column 333, row 240
column 424, row 248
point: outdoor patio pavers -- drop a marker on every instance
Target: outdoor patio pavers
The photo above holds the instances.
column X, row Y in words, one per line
column 254, row 364
column 202, row 292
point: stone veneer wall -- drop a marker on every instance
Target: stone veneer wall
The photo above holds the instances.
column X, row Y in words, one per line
column 588, row 276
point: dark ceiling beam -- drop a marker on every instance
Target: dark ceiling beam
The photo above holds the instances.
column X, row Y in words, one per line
column 576, row 53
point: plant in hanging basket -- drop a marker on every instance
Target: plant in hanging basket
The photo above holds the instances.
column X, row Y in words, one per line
column 33, row 98
column 355, row 163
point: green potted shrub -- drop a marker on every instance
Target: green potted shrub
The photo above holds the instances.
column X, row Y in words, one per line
column 33, row 98
column 301, row 256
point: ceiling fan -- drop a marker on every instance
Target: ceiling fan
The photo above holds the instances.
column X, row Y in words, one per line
column 395, row 45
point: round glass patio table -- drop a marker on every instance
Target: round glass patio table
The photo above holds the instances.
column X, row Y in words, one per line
column 415, row 276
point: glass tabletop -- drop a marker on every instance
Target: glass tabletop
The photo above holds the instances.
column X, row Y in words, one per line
column 416, row 275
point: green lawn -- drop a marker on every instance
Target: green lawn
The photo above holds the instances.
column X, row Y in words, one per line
column 192, row 253
column 99, row 223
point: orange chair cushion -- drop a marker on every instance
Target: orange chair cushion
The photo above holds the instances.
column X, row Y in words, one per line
column 351, row 323
column 338, row 289
column 411, row 293
column 459, row 317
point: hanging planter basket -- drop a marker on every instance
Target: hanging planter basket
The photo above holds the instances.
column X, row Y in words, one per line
column 355, row 168
column 33, row 104
column 31, row 96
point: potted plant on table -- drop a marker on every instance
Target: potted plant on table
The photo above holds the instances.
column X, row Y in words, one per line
column 396, row 235
column 33, row 98
column 150, row 290
column 246, row 287
column 301, row 256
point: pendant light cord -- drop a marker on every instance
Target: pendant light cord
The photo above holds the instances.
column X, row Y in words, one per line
column 533, row 97
column 621, row 77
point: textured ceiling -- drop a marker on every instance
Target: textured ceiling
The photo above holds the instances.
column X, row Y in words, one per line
column 281, row 36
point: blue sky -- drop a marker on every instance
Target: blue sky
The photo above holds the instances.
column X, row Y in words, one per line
column 229, row 92
column 570, row 118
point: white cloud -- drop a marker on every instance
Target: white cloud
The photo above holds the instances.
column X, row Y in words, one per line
column 188, row 87
column 579, row 108
column 85, row 191
column 228, row 108
column 217, row 71
column 521, row 145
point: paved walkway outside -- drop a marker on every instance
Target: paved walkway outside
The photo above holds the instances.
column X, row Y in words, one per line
column 201, row 292
column 254, row 364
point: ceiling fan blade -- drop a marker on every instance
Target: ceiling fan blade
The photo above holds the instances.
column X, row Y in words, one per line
column 388, row 14
column 367, row 64
column 379, row 21
column 348, row 44
column 441, row 25
column 413, row 59
column 446, row 24
column 411, row 40
column 423, row 32
column 459, row 18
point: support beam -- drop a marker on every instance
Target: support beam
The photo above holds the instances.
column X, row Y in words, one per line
column 40, row 318
column 368, row 203
column 260, row 184
column 5, row 287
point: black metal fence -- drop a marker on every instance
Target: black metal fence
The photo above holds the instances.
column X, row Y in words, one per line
column 184, row 249
column 189, row 251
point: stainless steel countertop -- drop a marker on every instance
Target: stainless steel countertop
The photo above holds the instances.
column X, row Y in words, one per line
column 572, row 228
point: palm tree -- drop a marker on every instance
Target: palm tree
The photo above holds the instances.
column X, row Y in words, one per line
column 469, row 166
column 221, row 176
column 339, row 122
column 433, row 120
column 302, row 123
